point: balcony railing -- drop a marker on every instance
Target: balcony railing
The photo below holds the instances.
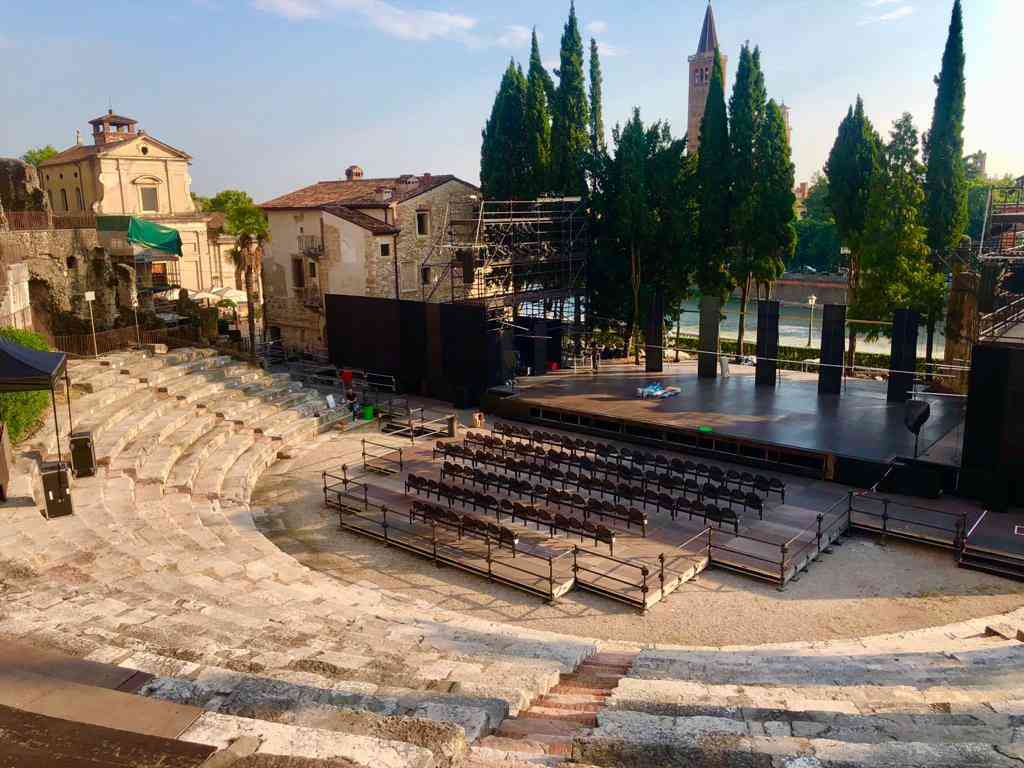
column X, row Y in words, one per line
column 311, row 246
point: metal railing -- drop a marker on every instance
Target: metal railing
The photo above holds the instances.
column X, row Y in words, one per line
column 356, row 513
column 379, row 457
column 995, row 324
column 643, row 575
column 35, row 220
column 879, row 514
column 129, row 337
column 311, row 245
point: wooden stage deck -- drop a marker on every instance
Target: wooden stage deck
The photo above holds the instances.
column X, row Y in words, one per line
column 673, row 551
column 789, row 428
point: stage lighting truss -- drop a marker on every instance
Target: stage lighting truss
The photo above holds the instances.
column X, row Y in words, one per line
column 523, row 258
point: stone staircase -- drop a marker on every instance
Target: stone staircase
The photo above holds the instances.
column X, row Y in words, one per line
column 161, row 570
column 543, row 734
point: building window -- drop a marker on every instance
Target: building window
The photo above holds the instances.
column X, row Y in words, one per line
column 385, row 250
column 312, row 270
column 159, row 273
column 298, row 274
column 78, row 198
column 422, row 223
column 425, row 276
column 149, row 198
column 144, row 150
column 64, row 199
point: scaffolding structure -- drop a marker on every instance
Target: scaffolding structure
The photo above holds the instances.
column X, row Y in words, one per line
column 1000, row 252
column 518, row 258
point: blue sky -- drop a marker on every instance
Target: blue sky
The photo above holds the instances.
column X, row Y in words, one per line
column 270, row 95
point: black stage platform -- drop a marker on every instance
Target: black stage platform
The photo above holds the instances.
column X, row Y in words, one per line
column 850, row 438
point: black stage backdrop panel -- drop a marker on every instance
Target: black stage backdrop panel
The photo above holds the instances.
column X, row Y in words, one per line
column 440, row 350
column 766, row 372
column 655, row 332
column 467, row 353
column 364, row 333
column 995, row 422
column 833, row 344
column 904, row 354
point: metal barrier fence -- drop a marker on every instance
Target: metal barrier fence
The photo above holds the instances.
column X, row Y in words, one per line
column 357, row 514
column 888, row 517
column 129, row 337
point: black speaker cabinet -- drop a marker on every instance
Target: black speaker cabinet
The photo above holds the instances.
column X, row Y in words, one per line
column 766, row 373
column 540, row 347
column 83, row 454
column 833, row 345
column 57, row 490
column 903, row 359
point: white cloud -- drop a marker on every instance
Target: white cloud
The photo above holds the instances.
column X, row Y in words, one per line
column 293, row 10
column 608, row 50
column 876, row 3
column 597, row 27
column 899, row 13
column 551, row 64
column 515, row 36
column 405, row 24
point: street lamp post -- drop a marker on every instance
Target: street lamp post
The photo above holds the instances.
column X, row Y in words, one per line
column 811, row 301
column 90, row 297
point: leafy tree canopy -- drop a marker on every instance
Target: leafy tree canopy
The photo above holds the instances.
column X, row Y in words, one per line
column 36, row 155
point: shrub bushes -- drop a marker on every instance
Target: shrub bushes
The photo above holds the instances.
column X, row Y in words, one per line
column 21, row 411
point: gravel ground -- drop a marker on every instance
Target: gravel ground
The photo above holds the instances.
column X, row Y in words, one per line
column 863, row 588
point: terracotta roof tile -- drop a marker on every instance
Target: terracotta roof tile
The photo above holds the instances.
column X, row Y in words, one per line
column 78, row 152
column 360, row 219
column 358, row 192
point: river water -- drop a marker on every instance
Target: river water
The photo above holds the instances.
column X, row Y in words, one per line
column 793, row 328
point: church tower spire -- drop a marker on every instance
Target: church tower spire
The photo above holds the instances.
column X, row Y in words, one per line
column 701, row 64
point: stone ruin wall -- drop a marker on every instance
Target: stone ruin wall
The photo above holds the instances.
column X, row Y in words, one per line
column 49, row 270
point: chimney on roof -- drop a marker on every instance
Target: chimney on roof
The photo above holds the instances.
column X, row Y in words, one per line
column 407, row 182
column 353, row 172
column 427, row 177
column 383, row 194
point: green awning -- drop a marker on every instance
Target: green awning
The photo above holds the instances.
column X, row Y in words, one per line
column 153, row 236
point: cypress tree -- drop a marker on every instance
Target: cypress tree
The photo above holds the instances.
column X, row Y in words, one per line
column 945, row 179
column 775, row 239
column 895, row 259
column 851, row 168
column 714, row 185
column 537, row 123
column 597, row 141
column 945, row 186
column 570, row 134
column 746, row 115
column 503, row 153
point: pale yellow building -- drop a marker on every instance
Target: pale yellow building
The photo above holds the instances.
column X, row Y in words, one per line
column 127, row 172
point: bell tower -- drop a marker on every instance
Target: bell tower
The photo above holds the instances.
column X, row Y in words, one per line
column 701, row 65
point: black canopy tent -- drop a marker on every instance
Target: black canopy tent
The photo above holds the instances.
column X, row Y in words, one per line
column 27, row 370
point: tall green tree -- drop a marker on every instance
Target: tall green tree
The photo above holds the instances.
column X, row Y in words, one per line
column 817, row 244
column 851, row 169
column 645, row 222
column 537, row 123
column 896, row 267
column 597, row 141
column 775, row 236
column 945, row 179
column 36, row 155
column 504, row 170
column 249, row 226
column 746, row 118
column 714, row 184
column 570, row 126
column 946, row 214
